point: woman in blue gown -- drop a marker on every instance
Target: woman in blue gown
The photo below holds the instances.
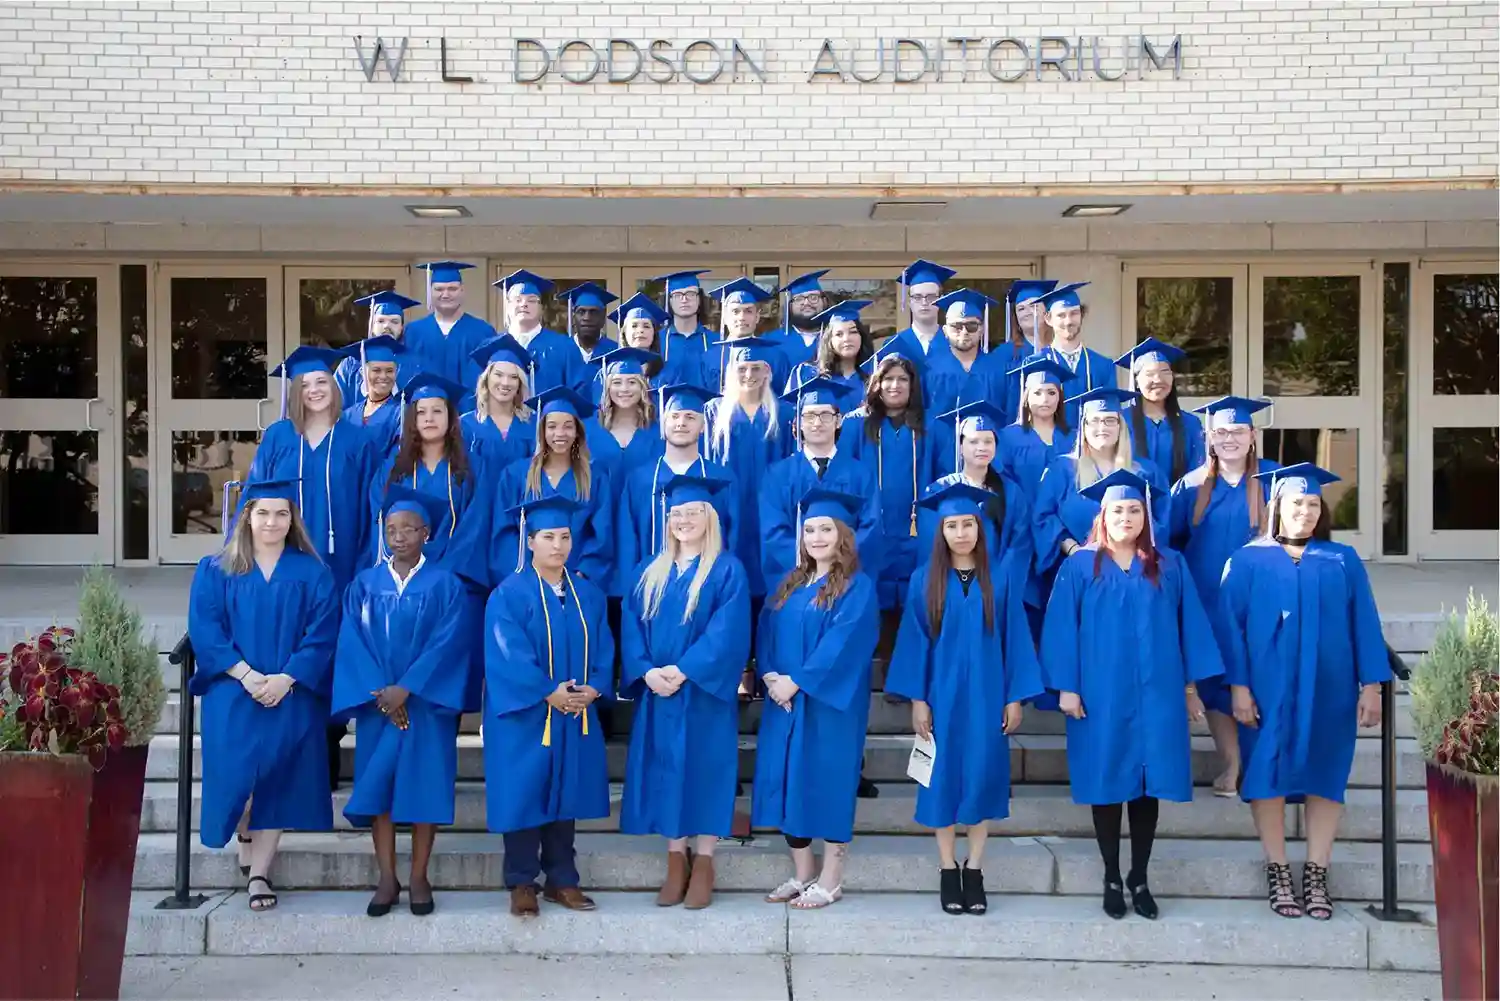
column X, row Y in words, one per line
column 621, row 432
column 547, row 657
column 817, row 634
column 965, row 660
column 1160, row 430
column 263, row 618
column 843, row 348
column 500, row 429
column 400, row 672
column 332, row 460
column 377, row 409
column 384, row 325
column 639, row 322
column 1217, row 508
column 1123, row 645
column 1041, row 432
column 684, row 633
column 1306, row 662
column 561, row 466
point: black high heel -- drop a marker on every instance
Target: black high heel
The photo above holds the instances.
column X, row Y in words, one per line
column 951, row 890
column 1114, row 900
column 1141, row 899
column 976, row 901
column 378, row 910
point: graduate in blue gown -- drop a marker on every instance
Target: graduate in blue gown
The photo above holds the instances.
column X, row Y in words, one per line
column 547, row 659
column 1063, row 315
column 1305, row 668
column 1217, row 508
column 385, row 324
column 640, row 324
column 555, row 360
column 739, row 319
column 843, row 347
column 263, row 616
column 442, row 342
column 501, row 428
column 965, row 660
column 1024, row 332
column 968, row 371
column 401, row 671
column 802, row 304
column 684, row 633
column 622, row 432
column 378, row 409
column 1160, row 430
column 918, row 289
column 562, row 466
column 586, row 303
column 1124, row 645
column 685, row 341
column 816, row 637
column 1041, row 432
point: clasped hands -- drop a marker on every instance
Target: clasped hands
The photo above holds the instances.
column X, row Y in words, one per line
column 781, row 689
column 267, row 689
column 391, row 701
column 572, row 698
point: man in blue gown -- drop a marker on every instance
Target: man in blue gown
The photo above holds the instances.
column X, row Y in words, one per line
column 555, row 360
column 739, row 318
column 387, row 319
column 685, row 341
column 586, row 304
column 1063, row 315
column 968, row 371
column 547, row 645
column 802, row 299
column 921, row 286
column 441, row 342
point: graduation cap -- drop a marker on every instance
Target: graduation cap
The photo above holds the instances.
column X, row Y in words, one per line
column 430, row 386
column 966, row 303
column 1022, row 292
column 892, row 349
column 443, row 271
column 380, row 348
column 744, row 349
column 798, row 286
column 820, row 502
column 626, row 361
column 739, row 290
column 919, row 272
column 819, row 391
column 385, row 303
column 1065, row 296
column 684, row 489
column 679, row 281
column 1151, row 350
column 1300, row 479
column 540, row 515
column 559, row 400
column 287, row 490
column 588, row 294
column 955, row 499
column 1231, row 411
column 305, row 361
column 1123, row 484
column 685, row 396
column 972, row 418
column 639, row 307
column 503, row 347
column 1104, row 400
column 849, row 309
column 1039, row 370
column 400, row 497
column 525, row 282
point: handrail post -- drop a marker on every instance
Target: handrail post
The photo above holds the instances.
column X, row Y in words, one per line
column 1389, row 864
column 182, row 898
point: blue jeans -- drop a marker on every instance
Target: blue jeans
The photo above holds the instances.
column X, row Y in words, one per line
column 548, row 849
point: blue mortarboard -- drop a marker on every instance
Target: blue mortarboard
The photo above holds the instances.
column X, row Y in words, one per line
column 1151, row 350
column 638, row 307
column 400, row 497
column 820, row 502
column 1104, row 400
column 429, row 386
column 685, row 396
column 745, row 349
column 382, row 348
column 1042, row 368
column 684, row 489
column 286, row 490
column 892, row 349
column 954, row 499
column 1122, row 484
column 849, row 309
column 501, row 348
column 739, row 290
column 1229, row 411
column 804, row 283
column 387, row 303
column 980, row 415
column 1066, row 296
column 815, row 392
column 524, row 282
column 559, row 400
column 588, row 294
column 921, row 272
column 1298, row 479
column 680, row 281
column 627, row 361
column 308, row 359
column 444, row 271
column 966, row 302
column 546, row 513
column 1025, row 290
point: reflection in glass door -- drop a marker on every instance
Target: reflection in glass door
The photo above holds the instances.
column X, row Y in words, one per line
column 223, row 325
column 59, row 378
column 880, row 283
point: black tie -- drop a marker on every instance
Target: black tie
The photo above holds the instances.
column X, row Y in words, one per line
column 822, row 463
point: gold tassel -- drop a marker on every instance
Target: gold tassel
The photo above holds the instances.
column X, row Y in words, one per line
column 914, row 523
column 547, row 729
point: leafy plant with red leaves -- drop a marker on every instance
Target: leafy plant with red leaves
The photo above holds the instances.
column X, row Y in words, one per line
column 1471, row 742
column 48, row 707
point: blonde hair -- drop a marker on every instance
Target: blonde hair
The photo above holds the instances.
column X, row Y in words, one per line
column 723, row 416
column 645, row 410
column 296, row 410
column 578, row 458
column 1087, row 472
column 653, row 582
column 238, row 554
column 482, row 390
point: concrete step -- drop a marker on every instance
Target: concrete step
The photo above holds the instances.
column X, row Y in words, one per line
column 1065, row 929
column 887, row 863
column 1033, row 759
column 1035, row 810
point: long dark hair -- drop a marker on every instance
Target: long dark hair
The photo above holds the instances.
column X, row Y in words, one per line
column 1248, row 483
column 827, row 362
column 937, row 580
column 1150, row 557
column 1059, row 416
column 913, row 417
column 1174, row 420
column 410, row 452
column 840, row 575
column 1322, row 531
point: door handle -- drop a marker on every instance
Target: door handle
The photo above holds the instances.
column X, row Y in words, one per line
column 88, row 414
column 260, row 425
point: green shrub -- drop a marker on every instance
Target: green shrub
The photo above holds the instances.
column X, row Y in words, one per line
column 111, row 643
column 1459, row 669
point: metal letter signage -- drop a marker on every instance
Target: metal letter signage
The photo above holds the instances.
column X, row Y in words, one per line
column 393, row 66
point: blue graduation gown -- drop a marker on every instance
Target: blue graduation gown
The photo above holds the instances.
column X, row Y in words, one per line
column 1061, row 512
column 1007, row 544
column 794, row 349
column 853, row 385
column 1094, row 371
column 967, row 674
column 461, row 546
column 619, row 460
column 1303, row 638
column 949, row 384
column 1157, row 444
column 592, row 524
column 543, row 765
column 420, row 638
column 784, row 485
column 683, row 763
column 277, row 759
column 383, row 426
column 640, row 525
column 427, row 350
column 1027, row 457
column 495, row 449
column 1007, row 357
column 901, row 464
column 807, row 761
column 908, row 344
column 749, row 456
column 593, row 363
column 1129, row 648
column 555, row 361
column 1208, row 545
column 685, row 356
column 334, row 478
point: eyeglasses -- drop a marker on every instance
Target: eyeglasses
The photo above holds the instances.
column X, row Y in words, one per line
column 972, row 326
column 923, row 298
column 685, row 295
column 1102, row 422
column 807, row 298
column 1228, row 434
column 818, row 416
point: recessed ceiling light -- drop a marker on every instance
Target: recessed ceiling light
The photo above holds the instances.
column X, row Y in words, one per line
column 1093, row 211
column 907, row 211
column 439, row 211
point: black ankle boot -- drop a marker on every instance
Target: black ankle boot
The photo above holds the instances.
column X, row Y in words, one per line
column 951, row 890
column 976, row 901
column 1141, row 899
column 1114, row 899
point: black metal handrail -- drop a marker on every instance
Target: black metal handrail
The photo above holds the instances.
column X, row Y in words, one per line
column 182, row 898
column 1388, row 910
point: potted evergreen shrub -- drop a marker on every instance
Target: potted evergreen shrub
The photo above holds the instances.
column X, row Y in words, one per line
column 1455, row 696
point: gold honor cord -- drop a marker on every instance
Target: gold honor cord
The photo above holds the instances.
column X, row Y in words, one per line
column 541, row 589
column 880, row 475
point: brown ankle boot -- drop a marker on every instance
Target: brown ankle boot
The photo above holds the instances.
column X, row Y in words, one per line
column 700, row 891
column 674, row 888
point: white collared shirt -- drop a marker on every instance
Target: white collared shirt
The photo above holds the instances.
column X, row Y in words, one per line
column 812, row 460
column 401, row 583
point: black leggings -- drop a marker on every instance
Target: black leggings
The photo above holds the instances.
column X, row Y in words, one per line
column 1143, row 814
column 792, row 842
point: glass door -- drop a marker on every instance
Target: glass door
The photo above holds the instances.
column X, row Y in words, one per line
column 1456, row 410
column 224, row 332
column 319, row 302
column 59, row 389
column 1200, row 309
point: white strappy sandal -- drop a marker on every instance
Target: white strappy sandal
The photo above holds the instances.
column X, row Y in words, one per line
column 787, row 892
column 815, row 897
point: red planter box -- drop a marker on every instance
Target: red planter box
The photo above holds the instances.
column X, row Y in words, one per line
column 1465, row 820
column 114, row 829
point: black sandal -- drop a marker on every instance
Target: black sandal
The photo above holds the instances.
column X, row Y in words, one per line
column 1280, row 896
column 257, row 900
column 1315, row 899
column 951, row 891
column 1114, row 900
column 1141, row 899
column 976, row 901
column 244, row 839
column 378, row 909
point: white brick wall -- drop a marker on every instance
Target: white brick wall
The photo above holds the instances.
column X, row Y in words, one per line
column 272, row 93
